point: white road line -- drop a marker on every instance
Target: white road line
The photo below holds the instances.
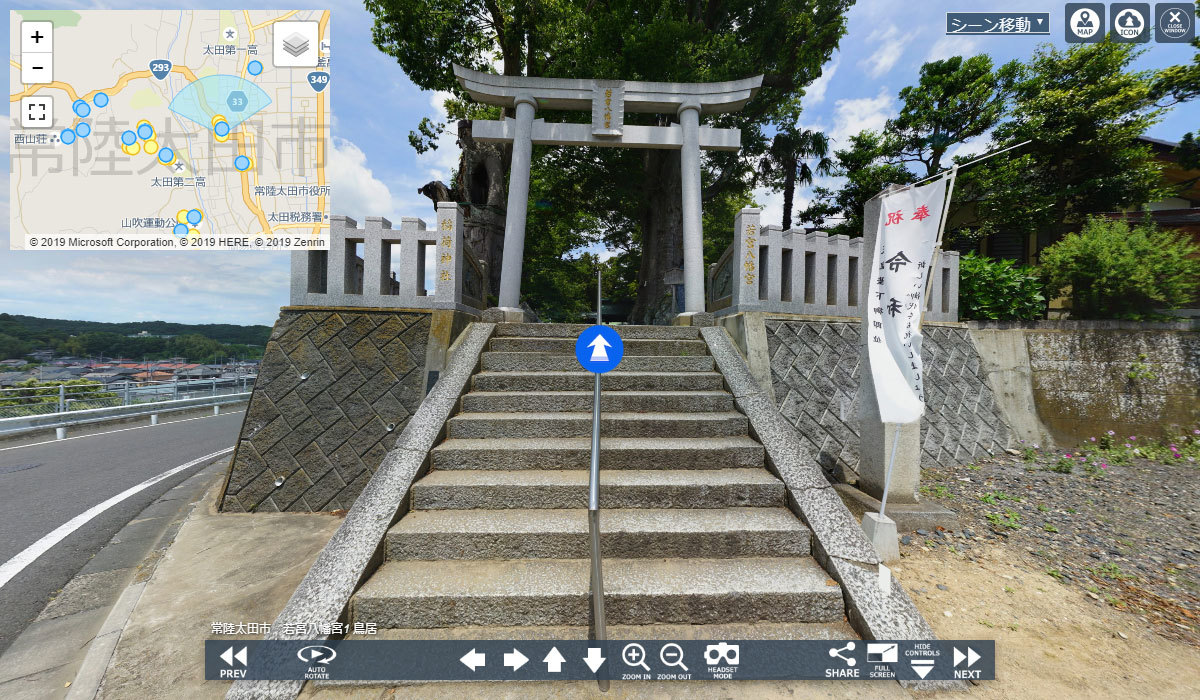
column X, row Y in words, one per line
column 14, row 566
column 119, row 430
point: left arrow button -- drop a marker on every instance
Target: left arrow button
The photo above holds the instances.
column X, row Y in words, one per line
column 474, row 659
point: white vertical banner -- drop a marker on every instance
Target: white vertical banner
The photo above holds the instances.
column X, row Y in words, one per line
column 907, row 231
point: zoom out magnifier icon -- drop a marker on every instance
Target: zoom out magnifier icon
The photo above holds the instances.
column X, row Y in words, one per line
column 672, row 655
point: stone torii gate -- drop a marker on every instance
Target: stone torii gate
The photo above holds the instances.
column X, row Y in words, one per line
column 608, row 100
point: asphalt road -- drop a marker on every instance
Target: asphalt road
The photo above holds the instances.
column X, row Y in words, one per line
column 42, row 486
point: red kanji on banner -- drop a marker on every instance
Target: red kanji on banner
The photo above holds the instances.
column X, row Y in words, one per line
column 894, row 217
column 921, row 213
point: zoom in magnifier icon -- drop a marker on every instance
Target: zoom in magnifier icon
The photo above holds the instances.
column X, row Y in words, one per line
column 672, row 655
column 634, row 654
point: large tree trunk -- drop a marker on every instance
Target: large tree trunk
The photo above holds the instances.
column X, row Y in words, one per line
column 662, row 238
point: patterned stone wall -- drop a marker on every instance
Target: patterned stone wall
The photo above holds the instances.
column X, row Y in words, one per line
column 330, row 385
column 814, row 370
column 1136, row 382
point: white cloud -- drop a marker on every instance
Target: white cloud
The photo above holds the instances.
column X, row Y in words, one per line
column 889, row 44
column 853, row 115
column 949, row 46
column 357, row 193
column 975, row 147
column 814, row 94
column 441, row 162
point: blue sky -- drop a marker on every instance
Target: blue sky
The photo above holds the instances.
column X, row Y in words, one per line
column 375, row 172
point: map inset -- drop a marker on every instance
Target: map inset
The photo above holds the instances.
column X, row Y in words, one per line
column 141, row 129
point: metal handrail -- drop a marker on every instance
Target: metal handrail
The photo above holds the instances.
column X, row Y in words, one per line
column 598, row 631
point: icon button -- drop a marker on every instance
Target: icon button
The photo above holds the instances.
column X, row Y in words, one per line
column 1174, row 22
column 229, row 656
column 850, row 660
column 1130, row 22
column 922, row 667
column 883, row 652
column 634, row 654
column 722, row 653
column 295, row 44
column 474, row 659
column 970, row 657
column 1085, row 22
column 37, row 37
column 37, row 112
column 672, row 655
column 594, row 658
column 554, row 661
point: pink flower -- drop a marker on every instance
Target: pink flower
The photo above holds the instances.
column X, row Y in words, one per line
column 1113, row 433
column 1083, row 459
column 1128, row 445
column 1196, row 432
column 1092, row 439
column 1103, row 466
column 1133, row 437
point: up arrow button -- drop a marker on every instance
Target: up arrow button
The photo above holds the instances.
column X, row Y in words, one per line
column 554, row 661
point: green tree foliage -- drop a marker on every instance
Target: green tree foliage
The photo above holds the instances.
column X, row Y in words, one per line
column 633, row 196
column 1082, row 109
column 954, row 101
column 13, row 348
column 46, row 330
column 786, row 163
column 1113, row 270
column 866, row 171
column 94, row 339
column 998, row 290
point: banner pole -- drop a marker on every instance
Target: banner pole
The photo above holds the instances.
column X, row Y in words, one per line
column 887, row 478
column 937, row 246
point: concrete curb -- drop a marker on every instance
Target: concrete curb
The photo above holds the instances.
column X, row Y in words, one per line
column 356, row 547
column 840, row 545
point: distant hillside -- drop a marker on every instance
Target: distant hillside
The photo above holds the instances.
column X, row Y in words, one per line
column 208, row 342
column 33, row 329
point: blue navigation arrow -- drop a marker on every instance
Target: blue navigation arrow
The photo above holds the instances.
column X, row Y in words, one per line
column 599, row 349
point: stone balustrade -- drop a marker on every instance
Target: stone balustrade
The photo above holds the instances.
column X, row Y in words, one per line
column 816, row 274
column 341, row 276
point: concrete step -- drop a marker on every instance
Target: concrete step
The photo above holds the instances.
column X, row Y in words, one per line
column 579, row 424
column 583, row 381
column 637, row 591
column 615, row 453
column 518, row 533
column 610, row 401
column 546, row 362
column 572, row 330
column 566, row 346
column 457, row 489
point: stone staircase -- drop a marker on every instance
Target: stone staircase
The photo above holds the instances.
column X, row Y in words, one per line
column 695, row 529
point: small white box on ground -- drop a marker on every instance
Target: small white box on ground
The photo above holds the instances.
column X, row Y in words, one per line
column 37, row 37
column 37, row 112
column 295, row 44
column 881, row 530
column 37, row 68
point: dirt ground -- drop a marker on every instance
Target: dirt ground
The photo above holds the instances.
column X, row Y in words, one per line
column 1052, row 641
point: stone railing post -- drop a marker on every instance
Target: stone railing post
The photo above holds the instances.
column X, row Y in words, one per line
column 450, row 256
column 746, row 264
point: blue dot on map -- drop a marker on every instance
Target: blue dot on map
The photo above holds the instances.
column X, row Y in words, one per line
column 100, row 100
column 81, row 108
column 165, row 155
column 67, row 136
column 254, row 68
column 180, row 230
column 221, row 129
column 242, row 163
column 145, row 131
column 83, row 130
column 194, row 216
column 128, row 138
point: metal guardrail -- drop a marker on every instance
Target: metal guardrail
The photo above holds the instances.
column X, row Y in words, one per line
column 62, row 420
column 48, row 399
column 598, row 631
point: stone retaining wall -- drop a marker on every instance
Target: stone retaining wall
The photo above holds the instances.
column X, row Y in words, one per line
column 334, row 391
column 1087, row 380
column 814, row 371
